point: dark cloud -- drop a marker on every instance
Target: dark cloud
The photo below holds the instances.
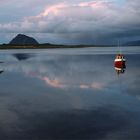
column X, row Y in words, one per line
column 80, row 21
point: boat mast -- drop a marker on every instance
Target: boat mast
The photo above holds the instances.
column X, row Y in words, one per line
column 119, row 48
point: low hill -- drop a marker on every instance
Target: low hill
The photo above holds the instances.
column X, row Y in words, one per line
column 132, row 43
column 21, row 39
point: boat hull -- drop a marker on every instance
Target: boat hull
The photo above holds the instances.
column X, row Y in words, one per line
column 119, row 64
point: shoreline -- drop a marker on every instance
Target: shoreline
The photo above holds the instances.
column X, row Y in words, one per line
column 40, row 46
column 5, row 47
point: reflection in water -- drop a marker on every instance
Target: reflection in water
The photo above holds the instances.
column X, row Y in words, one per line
column 1, row 70
column 120, row 69
column 69, row 97
column 53, row 83
column 22, row 56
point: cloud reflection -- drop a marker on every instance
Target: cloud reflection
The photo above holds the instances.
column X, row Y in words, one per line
column 53, row 83
column 61, row 72
column 95, row 85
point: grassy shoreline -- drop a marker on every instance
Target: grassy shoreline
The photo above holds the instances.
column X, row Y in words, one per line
column 48, row 46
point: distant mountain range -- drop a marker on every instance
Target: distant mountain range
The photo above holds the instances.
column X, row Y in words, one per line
column 22, row 39
column 132, row 43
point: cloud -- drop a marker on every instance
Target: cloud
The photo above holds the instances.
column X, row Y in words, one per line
column 82, row 20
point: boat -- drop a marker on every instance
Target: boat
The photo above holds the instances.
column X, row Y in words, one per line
column 119, row 60
column 119, row 63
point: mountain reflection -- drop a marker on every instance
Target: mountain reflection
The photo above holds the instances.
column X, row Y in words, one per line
column 22, row 56
column 1, row 70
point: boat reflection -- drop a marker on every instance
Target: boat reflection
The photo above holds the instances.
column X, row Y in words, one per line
column 120, row 70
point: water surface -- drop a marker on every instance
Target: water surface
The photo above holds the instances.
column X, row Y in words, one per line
column 69, row 94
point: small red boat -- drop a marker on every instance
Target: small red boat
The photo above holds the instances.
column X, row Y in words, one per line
column 119, row 63
column 119, row 60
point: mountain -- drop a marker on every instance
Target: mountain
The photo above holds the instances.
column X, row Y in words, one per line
column 132, row 43
column 21, row 39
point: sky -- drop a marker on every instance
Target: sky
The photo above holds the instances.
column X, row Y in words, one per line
column 71, row 21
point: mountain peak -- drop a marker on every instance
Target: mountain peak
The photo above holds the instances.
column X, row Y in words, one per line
column 22, row 39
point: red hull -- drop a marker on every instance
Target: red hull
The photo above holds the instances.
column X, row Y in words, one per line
column 119, row 64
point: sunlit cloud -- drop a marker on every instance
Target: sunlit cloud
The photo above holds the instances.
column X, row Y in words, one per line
column 53, row 9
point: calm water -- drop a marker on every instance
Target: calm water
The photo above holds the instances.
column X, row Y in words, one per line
column 69, row 94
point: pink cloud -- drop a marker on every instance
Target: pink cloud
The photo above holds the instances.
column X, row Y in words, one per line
column 93, row 4
column 63, row 9
column 76, row 16
column 53, row 9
